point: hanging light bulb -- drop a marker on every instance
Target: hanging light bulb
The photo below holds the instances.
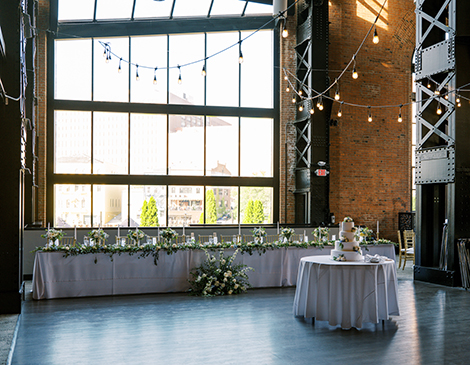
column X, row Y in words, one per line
column 287, row 89
column 337, row 91
column 293, row 99
column 355, row 75
column 458, row 102
column 240, row 57
column 203, row 72
column 400, row 119
column 439, row 109
column 285, row 33
column 300, row 92
column 375, row 39
column 446, row 96
column 119, row 68
column 437, row 92
column 137, row 72
column 320, row 107
column 369, row 118
column 301, row 108
column 312, row 110
column 340, row 113
column 179, row 75
column 319, row 102
column 155, row 76
column 429, row 84
column 285, row 77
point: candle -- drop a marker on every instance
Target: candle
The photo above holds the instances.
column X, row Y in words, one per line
column 183, row 228
column 48, row 225
column 119, row 231
column 277, row 227
column 377, row 226
column 75, row 232
column 239, row 229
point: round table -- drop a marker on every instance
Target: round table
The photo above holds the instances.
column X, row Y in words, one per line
column 346, row 293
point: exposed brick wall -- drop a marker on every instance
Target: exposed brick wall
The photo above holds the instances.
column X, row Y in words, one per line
column 41, row 111
column 287, row 116
column 370, row 162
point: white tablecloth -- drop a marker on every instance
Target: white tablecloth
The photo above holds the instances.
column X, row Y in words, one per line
column 346, row 293
column 57, row 277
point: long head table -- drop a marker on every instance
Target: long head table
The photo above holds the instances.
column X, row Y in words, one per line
column 55, row 276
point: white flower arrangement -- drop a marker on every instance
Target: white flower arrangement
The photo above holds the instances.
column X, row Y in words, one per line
column 219, row 276
column 258, row 234
column 340, row 257
column 136, row 235
column 53, row 235
column 363, row 234
column 348, row 220
column 287, row 233
column 168, row 234
column 98, row 235
column 320, row 234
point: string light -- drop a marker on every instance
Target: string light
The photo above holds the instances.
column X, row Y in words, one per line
column 301, row 108
column 337, row 91
column 287, row 89
column 155, row 76
column 355, row 75
column 439, row 109
column 437, row 92
column 458, row 102
column 312, row 111
column 300, row 93
column 240, row 57
column 203, row 72
column 320, row 103
column 369, row 118
column 285, row 33
column 375, row 39
column 429, row 84
column 400, row 119
column 119, row 68
column 137, row 72
column 293, row 99
column 340, row 113
column 179, row 76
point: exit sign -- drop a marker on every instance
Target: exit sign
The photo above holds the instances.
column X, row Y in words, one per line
column 321, row 172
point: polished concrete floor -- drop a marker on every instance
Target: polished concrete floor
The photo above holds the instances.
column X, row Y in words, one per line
column 253, row 328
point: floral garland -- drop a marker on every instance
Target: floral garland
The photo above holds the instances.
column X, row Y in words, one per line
column 219, row 276
column 136, row 235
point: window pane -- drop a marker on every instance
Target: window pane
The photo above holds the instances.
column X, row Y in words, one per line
column 154, row 213
column 227, row 7
column 256, row 8
column 110, row 143
column 191, row 8
column 185, row 204
column 222, row 146
column 152, row 9
column 257, row 70
column 222, row 69
column 109, row 84
column 110, row 9
column 73, row 69
column 72, row 206
column 110, row 206
column 149, row 52
column 256, row 147
column 72, row 142
column 76, row 10
column 184, row 49
column 256, row 205
column 186, row 149
column 221, row 204
column 148, row 144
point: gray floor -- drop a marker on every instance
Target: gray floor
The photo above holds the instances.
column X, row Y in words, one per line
column 253, row 328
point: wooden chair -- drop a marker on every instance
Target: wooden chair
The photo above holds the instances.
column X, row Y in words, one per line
column 230, row 238
column 180, row 239
column 120, row 238
column 68, row 241
column 271, row 238
column 408, row 246
column 204, row 239
column 401, row 249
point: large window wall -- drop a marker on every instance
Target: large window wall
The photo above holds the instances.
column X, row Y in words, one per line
column 126, row 137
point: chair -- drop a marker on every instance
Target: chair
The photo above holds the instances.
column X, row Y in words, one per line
column 120, row 238
column 271, row 238
column 227, row 239
column 68, row 241
column 401, row 249
column 205, row 239
column 408, row 246
column 180, row 239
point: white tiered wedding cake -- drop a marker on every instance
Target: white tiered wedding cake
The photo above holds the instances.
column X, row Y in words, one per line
column 347, row 248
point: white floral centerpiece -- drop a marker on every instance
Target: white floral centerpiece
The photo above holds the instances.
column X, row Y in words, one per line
column 219, row 276
column 53, row 236
column 259, row 234
column 364, row 234
column 286, row 234
column 168, row 235
column 136, row 235
column 348, row 220
column 98, row 236
column 320, row 234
